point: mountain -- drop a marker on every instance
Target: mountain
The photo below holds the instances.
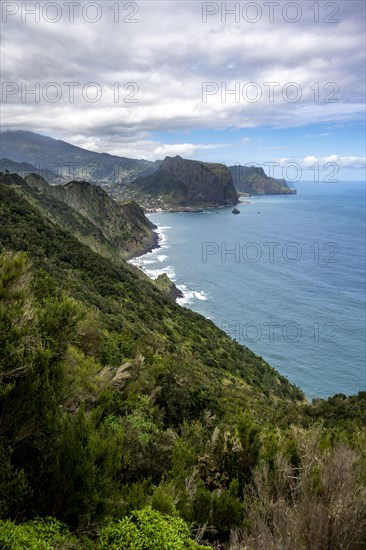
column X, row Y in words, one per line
column 90, row 214
column 58, row 161
column 24, row 169
column 126, row 420
column 176, row 182
column 175, row 341
column 252, row 180
column 183, row 185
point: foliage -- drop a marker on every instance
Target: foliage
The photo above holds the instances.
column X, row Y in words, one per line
column 320, row 504
column 147, row 529
column 43, row 534
column 118, row 405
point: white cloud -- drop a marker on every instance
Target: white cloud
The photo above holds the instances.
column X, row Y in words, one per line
column 142, row 147
column 169, row 54
column 341, row 161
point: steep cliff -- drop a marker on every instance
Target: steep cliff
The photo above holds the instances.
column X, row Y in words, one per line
column 184, row 184
column 252, row 180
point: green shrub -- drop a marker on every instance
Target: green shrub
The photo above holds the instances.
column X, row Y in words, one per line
column 45, row 534
column 147, row 529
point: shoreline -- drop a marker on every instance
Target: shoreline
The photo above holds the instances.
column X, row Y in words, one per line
column 153, row 245
column 187, row 294
column 176, row 210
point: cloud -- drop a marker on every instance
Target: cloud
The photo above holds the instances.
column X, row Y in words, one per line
column 186, row 150
column 150, row 74
column 323, row 134
column 142, row 147
column 341, row 161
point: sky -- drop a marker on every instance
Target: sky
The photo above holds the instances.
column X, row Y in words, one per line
column 277, row 84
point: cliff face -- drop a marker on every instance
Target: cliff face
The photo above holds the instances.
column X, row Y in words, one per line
column 184, row 184
column 90, row 214
column 124, row 225
column 253, row 180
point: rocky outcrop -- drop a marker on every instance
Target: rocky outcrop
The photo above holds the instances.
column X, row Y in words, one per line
column 252, row 180
column 167, row 286
column 181, row 184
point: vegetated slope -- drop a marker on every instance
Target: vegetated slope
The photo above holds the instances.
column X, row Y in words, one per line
column 117, row 403
column 90, row 214
column 54, row 156
column 252, row 180
column 135, row 305
column 184, row 184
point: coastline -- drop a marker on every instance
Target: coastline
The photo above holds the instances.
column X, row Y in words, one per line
column 179, row 209
column 162, row 279
column 151, row 268
column 150, row 247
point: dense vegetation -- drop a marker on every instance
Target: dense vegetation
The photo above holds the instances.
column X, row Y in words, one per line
column 89, row 213
column 128, row 422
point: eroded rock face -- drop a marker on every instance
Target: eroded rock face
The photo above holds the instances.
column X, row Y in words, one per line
column 181, row 183
column 252, row 180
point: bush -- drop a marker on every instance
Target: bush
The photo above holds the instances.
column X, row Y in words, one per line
column 147, row 529
column 46, row 534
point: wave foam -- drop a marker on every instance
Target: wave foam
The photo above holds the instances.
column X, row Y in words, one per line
column 190, row 295
column 154, row 273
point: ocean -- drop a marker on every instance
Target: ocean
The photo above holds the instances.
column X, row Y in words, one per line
column 285, row 277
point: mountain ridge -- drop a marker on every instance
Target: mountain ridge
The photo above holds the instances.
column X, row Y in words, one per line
column 59, row 161
column 67, row 161
column 86, row 210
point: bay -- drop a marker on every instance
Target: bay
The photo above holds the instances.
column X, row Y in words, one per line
column 285, row 277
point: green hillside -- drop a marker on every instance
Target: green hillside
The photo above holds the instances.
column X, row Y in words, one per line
column 129, row 422
column 90, row 214
column 59, row 161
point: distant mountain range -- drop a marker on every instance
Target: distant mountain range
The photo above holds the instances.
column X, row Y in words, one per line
column 172, row 183
column 61, row 161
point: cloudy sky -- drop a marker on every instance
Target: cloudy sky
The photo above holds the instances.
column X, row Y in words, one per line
column 280, row 83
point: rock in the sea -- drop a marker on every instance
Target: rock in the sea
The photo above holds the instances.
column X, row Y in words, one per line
column 235, row 211
column 166, row 285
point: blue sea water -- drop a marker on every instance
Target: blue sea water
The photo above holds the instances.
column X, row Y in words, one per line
column 285, row 277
